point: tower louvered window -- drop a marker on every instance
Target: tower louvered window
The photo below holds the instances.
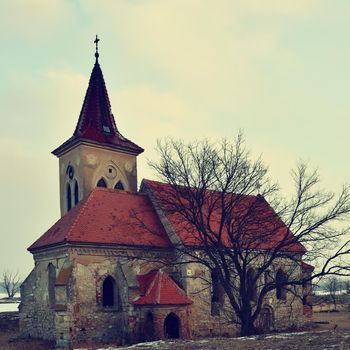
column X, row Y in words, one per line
column 101, row 182
column 76, row 193
column 119, row 186
column 69, row 198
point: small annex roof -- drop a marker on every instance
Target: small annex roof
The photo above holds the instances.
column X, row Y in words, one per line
column 108, row 217
column 260, row 227
column 306, row 266
column 96, row 122
column 158, row 288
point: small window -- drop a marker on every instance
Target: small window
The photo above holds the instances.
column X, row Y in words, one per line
column 70, row 172
column 101, row 183
column 251, row 285
column 281, row 280
column 119, row 186
column 69, row 198
column 217, row 295
column 76, row 193
column 106, row 129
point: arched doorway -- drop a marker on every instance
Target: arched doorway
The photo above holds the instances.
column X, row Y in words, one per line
column 265, row 320
column 172, row 326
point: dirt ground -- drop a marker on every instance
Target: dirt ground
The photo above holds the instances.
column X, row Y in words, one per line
column 330, row 330
column 9, row 335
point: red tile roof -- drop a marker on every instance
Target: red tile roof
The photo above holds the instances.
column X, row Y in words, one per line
column 108, row 217
column 96, row 123
column 256, row 223
column 157, row 288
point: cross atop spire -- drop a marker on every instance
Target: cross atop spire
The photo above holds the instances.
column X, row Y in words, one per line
column 96, row 43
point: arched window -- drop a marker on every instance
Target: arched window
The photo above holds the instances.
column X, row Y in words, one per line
column 251, row 284
column 216, row 294
column 101, row 182
column 51, row 274
column 119, row 186
column 69, row 198
column 76, row 193
column 281, row 280
column 110, row 295
column 215, row 287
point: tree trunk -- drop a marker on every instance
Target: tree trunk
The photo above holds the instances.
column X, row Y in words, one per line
column 247, row 327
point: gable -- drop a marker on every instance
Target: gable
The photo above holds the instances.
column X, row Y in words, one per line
column 157, row 288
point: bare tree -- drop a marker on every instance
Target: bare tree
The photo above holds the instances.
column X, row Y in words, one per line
column 11, row 282
column 347, row 286
column 222, row 199
column 332, row 287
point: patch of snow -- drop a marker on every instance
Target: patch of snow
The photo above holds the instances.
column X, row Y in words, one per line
column 283, row 335
column 4, row 295
column 201, row 341
column 252, row 337
column 325, row 292
column 153, row 344
column 7, row 307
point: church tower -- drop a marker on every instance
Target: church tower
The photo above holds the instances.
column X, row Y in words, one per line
column 97, row 155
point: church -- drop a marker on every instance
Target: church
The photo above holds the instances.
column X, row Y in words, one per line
column 99, row 274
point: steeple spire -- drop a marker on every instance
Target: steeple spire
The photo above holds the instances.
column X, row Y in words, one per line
column 96, row 122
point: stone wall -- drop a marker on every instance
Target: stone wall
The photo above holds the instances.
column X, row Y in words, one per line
column 37, row 315
column 285, row 313
column 92, row 322
column 78, row 315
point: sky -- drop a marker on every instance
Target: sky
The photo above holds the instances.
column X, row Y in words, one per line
column 278, row 70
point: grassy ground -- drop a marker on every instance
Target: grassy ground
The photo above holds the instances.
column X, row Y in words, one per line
column 331, row 330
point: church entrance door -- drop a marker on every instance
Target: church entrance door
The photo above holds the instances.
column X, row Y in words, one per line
column 172, row 326
column 265, row 319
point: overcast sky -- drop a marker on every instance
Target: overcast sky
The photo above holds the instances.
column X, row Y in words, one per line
column 278, row 69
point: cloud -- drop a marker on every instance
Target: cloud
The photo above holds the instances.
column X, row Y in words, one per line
column 188, row 69
column 208, row 53
column 43, row 105
column 39, row 110
column 34, row 19
column 288, row 8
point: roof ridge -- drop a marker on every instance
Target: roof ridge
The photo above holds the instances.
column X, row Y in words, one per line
column 209, row 190
column 150, row 286
column 115, row 190
column 159, row 285
column 177, row 287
